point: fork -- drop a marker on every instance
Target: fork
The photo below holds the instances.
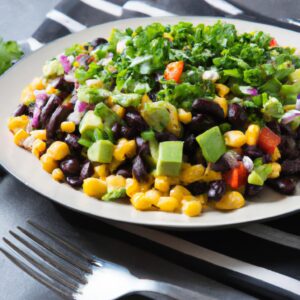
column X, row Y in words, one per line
column 80, row 275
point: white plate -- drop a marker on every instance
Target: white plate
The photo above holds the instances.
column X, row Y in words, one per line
column 27, row 169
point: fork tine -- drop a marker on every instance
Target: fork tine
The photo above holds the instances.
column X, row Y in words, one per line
column 47, row 271
column 39, row 277
column 48, row 259
column 71, row 261
column 67, row 244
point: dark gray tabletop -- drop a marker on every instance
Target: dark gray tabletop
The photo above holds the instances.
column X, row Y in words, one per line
column 18, row 20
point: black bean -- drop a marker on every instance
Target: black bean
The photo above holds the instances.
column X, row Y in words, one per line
column 208, row 107
column 49, row 108
column 287, row 130
column 128, row 132
column 142, row 146
column 190, row 145
column 87, row 170
column 152, row 96
column 84, row 61
column 21, row 110
column 72, row 140
column 284, row 186
column 237, row 115
column 198, row 188
column 266, row 158
column 61, row 84
column 125, row 173
column 288, row 147
column 165, row 136
column 98, row 41
column 60, row 114
column 135, row 120
column 274, row 126
column 139, row 169
column 200, row 123
column 252, row 189
column 70, row 166
column 221, row 165
column 116, row 129
column 252, row 151
column 290, row 166
column 216, row 190
column 74, row 181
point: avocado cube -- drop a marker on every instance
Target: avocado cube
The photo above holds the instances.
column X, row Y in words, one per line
column 101, row 151
column 90, row 121
column 169, row 158
column 212, row 144
column 255, row 178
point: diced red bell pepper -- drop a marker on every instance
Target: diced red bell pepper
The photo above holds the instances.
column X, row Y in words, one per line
column 273, row 43
column 268, row 140
column 237, row 176
column 174, row 70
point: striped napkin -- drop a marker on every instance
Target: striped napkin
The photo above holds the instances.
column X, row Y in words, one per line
column 261, row 259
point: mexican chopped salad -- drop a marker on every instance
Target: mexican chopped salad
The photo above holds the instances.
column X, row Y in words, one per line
column 174, row 118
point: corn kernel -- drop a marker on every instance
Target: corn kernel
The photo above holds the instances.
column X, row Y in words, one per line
column 76, row 64
column 119, row 110
column 202, row 199
column 115, row 182
column 179, row 192
column 58, row 175
column 16, row 123
column 211, row 175
column 231, row 200
column 252, row 134
column 153, row 196
column 162, row 184
column 51, row 90
column 167, row 35
column 101, row 171
column 191, row 208
column 222, row 102
column 39, row 134
column 132, row 186
column 276, row 154
column 145, row 186
column 234, row 138
column 58, row 150
column 191, row 174
column 109, row 101
column 27, row 95
column 289, row 107
column 222, row 89
column 185, row 117
column 67, row 126
column 48, row 163
column 124, row 149
column 140, row 202
column 38, row 147
column 37, row 84
column 20, row 136
column 167, row 204
column 173, row 180
column 114, row 165
column 94, row 187
column 276, row 169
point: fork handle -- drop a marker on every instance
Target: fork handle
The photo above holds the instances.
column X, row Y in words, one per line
column 170, row 290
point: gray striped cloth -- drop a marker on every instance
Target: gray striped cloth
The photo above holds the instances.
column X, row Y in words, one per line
column 261, row 259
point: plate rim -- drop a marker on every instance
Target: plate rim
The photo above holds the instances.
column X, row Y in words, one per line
column 160, row 224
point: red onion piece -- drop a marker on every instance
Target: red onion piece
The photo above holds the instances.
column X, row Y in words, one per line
column 249, row 90
column 290, row 116
column 39, row 103
column 65, row 63
column 81, row 106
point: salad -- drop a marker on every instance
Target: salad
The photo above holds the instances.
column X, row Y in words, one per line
column 177, row 118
